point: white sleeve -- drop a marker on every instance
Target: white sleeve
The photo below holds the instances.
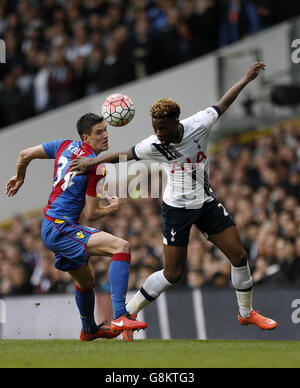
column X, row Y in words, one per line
column 207, row 118
column 143, row 150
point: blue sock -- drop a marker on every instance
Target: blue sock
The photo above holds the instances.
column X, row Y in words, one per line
column 85, row 300
column 118, row 277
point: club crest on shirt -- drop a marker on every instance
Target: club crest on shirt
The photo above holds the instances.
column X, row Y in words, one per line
column 79, row 235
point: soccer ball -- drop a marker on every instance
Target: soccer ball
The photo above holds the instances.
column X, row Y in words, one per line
column 118, row 110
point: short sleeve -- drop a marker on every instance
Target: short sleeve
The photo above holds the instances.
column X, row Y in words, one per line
column 143, row 150
column 207, row 118
column 52, row 147
column 94, row 176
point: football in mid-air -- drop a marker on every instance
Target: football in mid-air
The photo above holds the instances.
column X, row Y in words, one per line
column 118, row 110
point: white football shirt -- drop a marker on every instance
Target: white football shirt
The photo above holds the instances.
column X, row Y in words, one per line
column 185, row 163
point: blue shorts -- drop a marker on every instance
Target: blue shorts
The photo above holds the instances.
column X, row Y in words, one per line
column 68, row 243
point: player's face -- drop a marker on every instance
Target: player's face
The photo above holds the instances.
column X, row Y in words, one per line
column 98, row 139
column 166, row 130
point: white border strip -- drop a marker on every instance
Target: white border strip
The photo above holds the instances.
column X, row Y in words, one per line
column 142, row 334
column 199, row 315
column 2, row 311
column 163, row 316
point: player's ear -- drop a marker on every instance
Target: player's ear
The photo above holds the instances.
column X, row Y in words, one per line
column 85, row 137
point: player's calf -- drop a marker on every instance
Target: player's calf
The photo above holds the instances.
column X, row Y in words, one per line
column 154, row 285
column 174, row 275
column 242, row 282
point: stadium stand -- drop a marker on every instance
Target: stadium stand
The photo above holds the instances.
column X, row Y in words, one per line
column 58, row 51
column 257, row 177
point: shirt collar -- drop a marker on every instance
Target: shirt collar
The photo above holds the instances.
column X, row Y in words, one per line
column 87, row 147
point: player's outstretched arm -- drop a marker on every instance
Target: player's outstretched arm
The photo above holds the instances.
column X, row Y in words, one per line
column 81, row 165
column 25, row 157
column 233, row 93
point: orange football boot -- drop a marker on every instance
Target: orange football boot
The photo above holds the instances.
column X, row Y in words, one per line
column 258, row 320
column 104, row 331
column 127, row 322
column 127, row 335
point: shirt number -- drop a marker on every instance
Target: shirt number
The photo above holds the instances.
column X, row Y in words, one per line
column 62, row 163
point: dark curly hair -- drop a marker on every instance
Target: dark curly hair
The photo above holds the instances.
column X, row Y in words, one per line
column 165, row 108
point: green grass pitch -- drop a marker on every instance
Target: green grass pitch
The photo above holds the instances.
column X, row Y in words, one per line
column 149, row 354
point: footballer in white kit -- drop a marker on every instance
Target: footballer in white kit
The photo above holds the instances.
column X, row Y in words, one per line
column 181, row 146
column 187, row 168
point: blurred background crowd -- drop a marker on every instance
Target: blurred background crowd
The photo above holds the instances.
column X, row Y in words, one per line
column 258, row 182
column 58, row 51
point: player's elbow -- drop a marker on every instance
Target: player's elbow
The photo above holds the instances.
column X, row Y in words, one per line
column 25, row 155
column 89, row 216
column 31, row 153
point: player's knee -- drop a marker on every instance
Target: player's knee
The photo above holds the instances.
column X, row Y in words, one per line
column 174, row 275
column 86, row 284
column 240, row 258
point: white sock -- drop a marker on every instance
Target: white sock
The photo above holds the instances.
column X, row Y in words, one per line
column 154, row 285
column 245, row 302
column 242, row 282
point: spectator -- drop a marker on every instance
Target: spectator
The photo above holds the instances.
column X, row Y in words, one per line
column 116, row 70
column 94, row 71
column 79, row 78
column 175, row 40
column 12, row 102
column 145, row 53
column 60, row 81
column 238, row 19
column 204, row 26
column 40, row 84
column 272, row 12
column 80, row 45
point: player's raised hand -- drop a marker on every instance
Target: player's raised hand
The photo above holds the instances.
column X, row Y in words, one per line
column 13, row 185
column 254, row 70
column 80, row 165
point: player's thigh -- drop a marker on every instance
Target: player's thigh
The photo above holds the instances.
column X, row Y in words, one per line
column 105, row 244
column 229, row 242
column 175, row 261
column 83, row 277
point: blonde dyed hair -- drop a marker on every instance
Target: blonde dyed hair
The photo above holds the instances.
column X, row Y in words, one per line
column 165, row 108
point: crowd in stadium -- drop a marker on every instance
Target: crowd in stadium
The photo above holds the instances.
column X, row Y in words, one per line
column 58, row 51
column 259, row 184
